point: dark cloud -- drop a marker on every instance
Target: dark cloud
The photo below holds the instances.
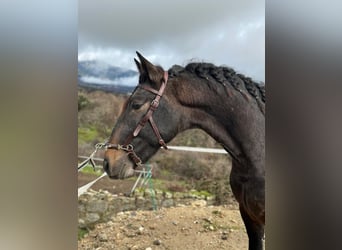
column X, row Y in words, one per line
column 224, row 32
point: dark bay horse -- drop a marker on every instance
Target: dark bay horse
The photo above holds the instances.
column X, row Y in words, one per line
column 228, row 106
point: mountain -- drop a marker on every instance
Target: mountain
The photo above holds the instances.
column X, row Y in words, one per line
column 101, row 75
column 113, row 88
column 102, row 70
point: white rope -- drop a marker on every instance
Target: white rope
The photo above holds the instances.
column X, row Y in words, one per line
column 84, row 188
column 181, row 148
column 198, row 149
column 85, row 157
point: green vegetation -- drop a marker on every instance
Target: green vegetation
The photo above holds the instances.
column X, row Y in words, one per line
column 170, row 186
column 83, row 102
column 87, row 135
column 89, row 170
column 218, row 213
column 81, row 233
column 201, row 193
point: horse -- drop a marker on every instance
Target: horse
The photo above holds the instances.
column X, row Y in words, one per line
column 228, row 106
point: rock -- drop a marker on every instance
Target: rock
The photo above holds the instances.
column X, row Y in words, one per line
column 224, row 235
column 157, row 242
column 210, row 198
column 81, row 223
column 102, row 206
column 168, row 195
column 130, row 234
column 209, row 220
column 148, row 248
column 167, row 203
column 81, row 208
column 97, row 206
column 107, row 193
column 140, row 202
column 102, row 237
column 92, row 218
column 93, row 234
column 181, row 205
column 91, row 191
column 178, row 195
column 150, row 204
column 199, row 203
column 149, row 193
column 128, row 204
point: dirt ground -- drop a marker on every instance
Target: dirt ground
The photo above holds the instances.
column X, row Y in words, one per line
column 187, row 227
column 112, row 186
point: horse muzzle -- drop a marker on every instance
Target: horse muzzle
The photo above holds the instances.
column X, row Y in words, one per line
column 118, row 167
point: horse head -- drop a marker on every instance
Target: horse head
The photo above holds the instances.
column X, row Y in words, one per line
column 147, row 121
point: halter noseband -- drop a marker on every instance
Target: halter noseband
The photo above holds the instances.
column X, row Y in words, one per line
column 127, row 146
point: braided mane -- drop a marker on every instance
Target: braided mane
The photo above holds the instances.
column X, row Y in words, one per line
column 225, row 76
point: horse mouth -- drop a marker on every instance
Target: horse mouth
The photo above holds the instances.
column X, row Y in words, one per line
column 123, row 172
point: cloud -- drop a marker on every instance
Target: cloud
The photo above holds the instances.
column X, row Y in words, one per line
column 175, row 32
column 109, row 55
column 127, row 81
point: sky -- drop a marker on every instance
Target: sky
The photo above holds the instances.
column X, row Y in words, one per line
column 223, row 32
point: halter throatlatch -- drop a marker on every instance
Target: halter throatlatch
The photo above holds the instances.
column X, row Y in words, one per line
column 127, row 146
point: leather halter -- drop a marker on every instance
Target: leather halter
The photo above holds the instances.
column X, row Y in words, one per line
column 127, row 146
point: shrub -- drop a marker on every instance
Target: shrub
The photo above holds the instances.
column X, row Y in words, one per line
column 82, row 102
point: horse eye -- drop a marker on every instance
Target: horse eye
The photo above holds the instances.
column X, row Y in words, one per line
column 136, row 105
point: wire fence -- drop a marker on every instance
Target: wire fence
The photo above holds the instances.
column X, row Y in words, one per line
column 146, row 173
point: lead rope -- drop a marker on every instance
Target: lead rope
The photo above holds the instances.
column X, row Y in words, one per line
column 90, row 159
column 153, row 197
column 144, row 178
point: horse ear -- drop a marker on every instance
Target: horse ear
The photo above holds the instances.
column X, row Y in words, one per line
column 138, row 66
column 154, row 73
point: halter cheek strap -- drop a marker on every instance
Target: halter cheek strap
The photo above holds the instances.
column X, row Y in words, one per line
column 153, row 107
column 127, row 146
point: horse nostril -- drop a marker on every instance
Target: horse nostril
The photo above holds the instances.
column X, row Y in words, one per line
column 105, row 165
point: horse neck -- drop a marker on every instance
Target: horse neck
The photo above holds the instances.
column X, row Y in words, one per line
column 234, row 123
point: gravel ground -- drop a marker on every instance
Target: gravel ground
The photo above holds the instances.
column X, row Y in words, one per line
column 187, row 227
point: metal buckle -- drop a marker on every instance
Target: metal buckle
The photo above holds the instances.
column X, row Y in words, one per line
column 154, row 104
column 128, row 147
